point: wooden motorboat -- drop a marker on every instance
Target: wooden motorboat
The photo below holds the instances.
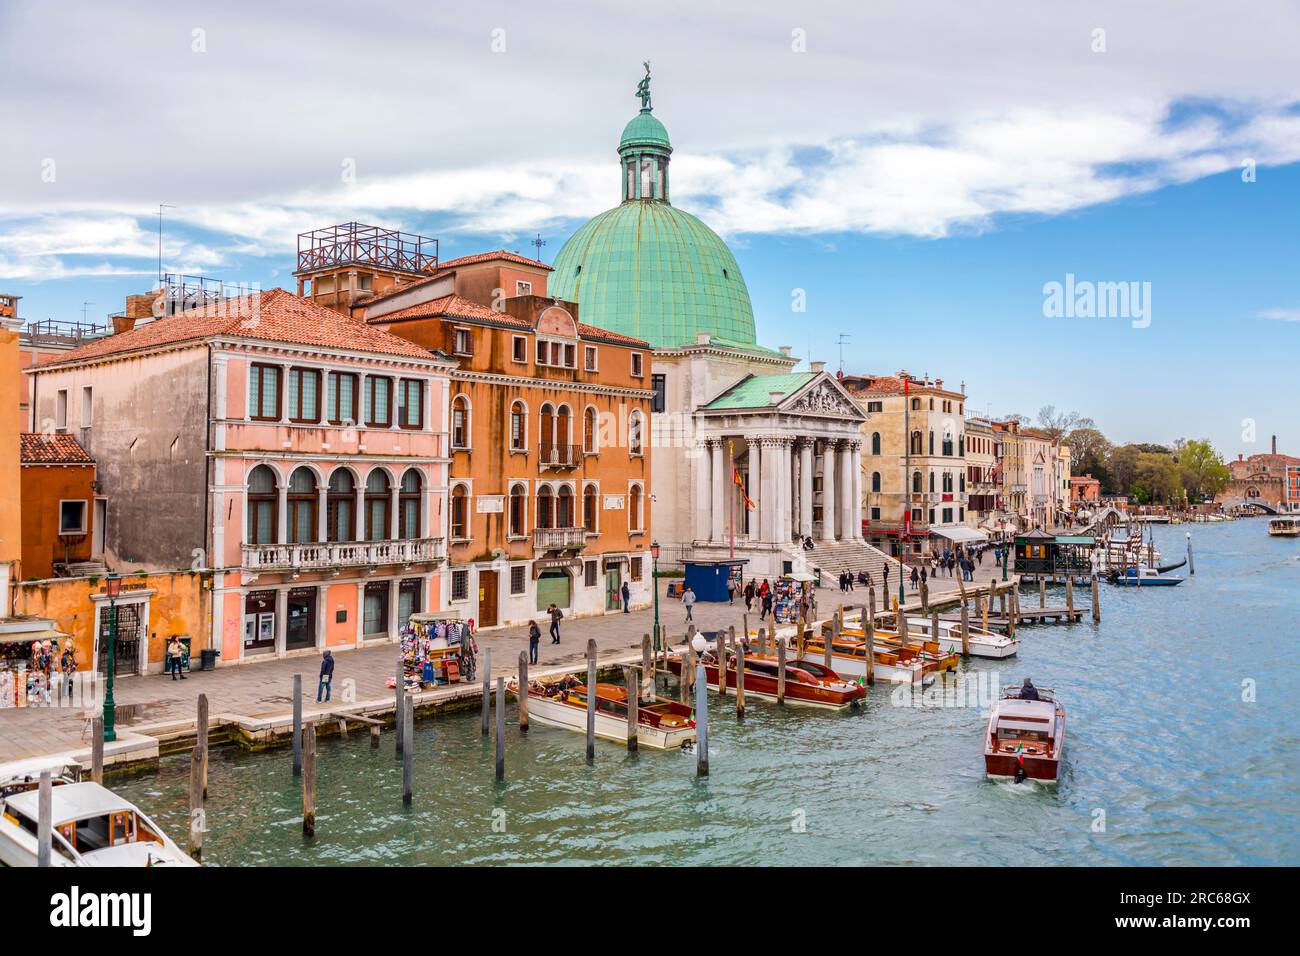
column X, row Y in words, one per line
column 93, row 826
column 807, row 683
column 562, row 702
column 1284, row 526
column 982, row 643
column 1025, row 737
column 917, row 662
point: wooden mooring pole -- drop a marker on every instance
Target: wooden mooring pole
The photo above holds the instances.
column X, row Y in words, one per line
column 297, row 724
column 501, row 728
column 1096, row 601
column 869, row 636
column 632, row 681
column 780, row 673
column 647, row 667
column 196, row 804
column 720, row 650
column 740, row 679
column 97, row 749
column 44, row 819
column 203, row 742
column 309, row 782
column 965, row 628
column 408, row 748
column 487, row 691
column 1069, row 599
column 591, row 699
column 399, row 694
column 523, row 691
column 701, row 723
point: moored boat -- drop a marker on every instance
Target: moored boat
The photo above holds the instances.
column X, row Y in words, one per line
column 1139, row 575
column 916, row 662
column 1284, row 526
column 807, row 683
column 93, row 826
column 1025, row 738
column 661, row 724
column 982, row 643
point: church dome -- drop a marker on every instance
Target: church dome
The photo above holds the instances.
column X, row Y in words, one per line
column 647, row 269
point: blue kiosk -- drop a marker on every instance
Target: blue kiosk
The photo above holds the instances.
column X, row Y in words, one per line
column 708, row 579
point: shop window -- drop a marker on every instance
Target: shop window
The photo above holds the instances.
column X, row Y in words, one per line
column 375, row 613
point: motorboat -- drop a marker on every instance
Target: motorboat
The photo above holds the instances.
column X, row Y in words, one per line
column 916, row 663
column 982, row 643
column 562, row 702
column 1284, row 526
column 1139, row 575
column 1025, row 737
column 807, row 683
column 92, row 826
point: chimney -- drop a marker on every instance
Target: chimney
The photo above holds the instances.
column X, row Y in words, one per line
column 817, row 367
column 1275, row 444
column 786, row 350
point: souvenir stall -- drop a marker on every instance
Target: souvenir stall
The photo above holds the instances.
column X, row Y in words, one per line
column 787, row 599
column 437, row 648
column 30, row 669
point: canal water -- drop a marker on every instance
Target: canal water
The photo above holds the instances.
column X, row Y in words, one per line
column 1182, row 748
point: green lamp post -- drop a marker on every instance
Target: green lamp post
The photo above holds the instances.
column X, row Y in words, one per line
column 1005, row 549
column 112, row 587
column 654, row 576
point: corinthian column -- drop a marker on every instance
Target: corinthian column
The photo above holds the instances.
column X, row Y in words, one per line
column 846, row 491
column 703, row 493
column 805, row 488
column 828, row 492
column 719, row 523
column 857, row 490
column 755, row 487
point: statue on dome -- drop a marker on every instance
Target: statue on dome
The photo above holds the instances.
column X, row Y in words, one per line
column 643, row 88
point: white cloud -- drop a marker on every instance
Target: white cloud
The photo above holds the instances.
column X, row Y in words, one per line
column 1281, row 315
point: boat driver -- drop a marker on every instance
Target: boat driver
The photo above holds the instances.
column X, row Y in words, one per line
column 1028, row 691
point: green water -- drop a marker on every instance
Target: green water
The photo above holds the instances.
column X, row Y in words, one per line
column 1165, row 763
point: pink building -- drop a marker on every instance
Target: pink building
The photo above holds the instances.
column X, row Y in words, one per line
column 298, row 454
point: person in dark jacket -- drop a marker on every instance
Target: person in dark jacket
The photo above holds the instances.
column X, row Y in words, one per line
column 327, row 676
column 627, row 597
column 534, row 637
column 749, row 596
column 1028, row 691
column 556, row 616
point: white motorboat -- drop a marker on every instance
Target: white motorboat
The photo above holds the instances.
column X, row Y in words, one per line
column 1284, row 526
column 661, row 724
column 982, row 643
column 93, row 826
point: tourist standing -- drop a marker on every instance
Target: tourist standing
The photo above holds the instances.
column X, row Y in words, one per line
column 556, row 616
column 627, row 597
column 534, row 638
column 327, row 676
column 688, row 602
column 174, row 651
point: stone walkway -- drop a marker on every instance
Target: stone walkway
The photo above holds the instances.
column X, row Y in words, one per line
column 264, row 689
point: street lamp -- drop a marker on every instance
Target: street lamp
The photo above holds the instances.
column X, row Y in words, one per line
column 112, row 587
column 654, row 577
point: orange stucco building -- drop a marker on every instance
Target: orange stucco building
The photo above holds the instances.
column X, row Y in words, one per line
column 549, row 430
column 59, row 504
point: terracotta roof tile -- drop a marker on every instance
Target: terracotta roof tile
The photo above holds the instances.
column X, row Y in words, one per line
column 450, row 265
column 274, row 315
column 458, row 307
column 57, row 449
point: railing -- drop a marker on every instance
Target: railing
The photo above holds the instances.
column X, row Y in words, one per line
column 559, row 456
column 342, row 554
column 554, row 539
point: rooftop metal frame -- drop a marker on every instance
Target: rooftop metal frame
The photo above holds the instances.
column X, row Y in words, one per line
column 355, row 243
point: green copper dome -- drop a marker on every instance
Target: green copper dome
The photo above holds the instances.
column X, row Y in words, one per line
column 647, row 269
column 644, row 130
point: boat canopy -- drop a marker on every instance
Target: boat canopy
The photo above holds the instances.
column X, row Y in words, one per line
column 960, row 533
column 72, row 801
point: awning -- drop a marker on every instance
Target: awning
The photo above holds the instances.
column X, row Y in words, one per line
column 960, row 533
column 41, row 631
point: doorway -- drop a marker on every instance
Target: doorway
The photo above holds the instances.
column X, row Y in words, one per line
column 259, row 622
column 97, row 522
column 126, row 650
column 553, row 587
column 487, row 598
column 300, row 630
column 613, row 589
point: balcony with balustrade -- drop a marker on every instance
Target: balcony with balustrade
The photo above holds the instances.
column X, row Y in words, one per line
column 559, row 457
column 559, row 539
column 333, row 555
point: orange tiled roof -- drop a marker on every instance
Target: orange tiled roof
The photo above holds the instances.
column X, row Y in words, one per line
column 450, row 265
column 57, row 449
column 458, row 307
column 274, row 315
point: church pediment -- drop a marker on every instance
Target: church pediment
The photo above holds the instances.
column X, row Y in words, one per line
column 823, row 396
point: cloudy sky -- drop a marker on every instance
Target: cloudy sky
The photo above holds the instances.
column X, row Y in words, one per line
column 920, row 169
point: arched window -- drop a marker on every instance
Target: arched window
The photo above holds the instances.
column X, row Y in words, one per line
column 589, row 508
column 875, row 481
column 932, row 482
column 961, row 446
column 340, row 522
column 518, row 497
column 916, row 443
column 589, row 431
column 545, row 511
column 303, row 503
column 378, row 501
column 408, row 515
column 947, row 481
column 564, row 508
column 947, row 440
column 518, row 427
column 460, row 422
column 563, row 427
column 262, row 505
column 459, row 513
column 917, row 487
column 916, row 404
column 875, row 443
column 931, row 441
column 634, row 436
column 634, row 509
column 546, row 432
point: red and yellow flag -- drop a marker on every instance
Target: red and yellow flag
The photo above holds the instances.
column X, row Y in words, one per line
column 735, row 477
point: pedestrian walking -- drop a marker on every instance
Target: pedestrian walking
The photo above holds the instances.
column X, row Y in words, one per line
column 534, row 638
column 731, row 591
column 767, row 606
column 69, row 664
column 627, row 597
column 749, row 596
column 915, row 578
column 556, row 616
column 688, row 602
column 326, row 681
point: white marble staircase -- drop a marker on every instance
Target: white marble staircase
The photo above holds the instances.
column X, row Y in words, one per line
column 836, row 557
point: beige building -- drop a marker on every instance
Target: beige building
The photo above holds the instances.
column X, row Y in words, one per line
column 914, row 492
column 983, row 489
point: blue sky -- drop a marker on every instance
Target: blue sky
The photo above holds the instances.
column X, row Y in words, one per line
column 920, row 170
